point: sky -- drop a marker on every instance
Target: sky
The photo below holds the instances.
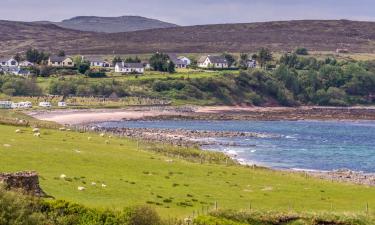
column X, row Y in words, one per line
column 190, row 12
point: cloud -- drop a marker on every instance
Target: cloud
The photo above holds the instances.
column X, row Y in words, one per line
column 190, row 12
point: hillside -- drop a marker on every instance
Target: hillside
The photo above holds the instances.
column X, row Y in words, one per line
column 287, row 35
column 112, row 24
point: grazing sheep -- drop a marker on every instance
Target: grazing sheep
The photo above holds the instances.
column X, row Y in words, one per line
column 89, row 138
column 93, row 183
column 7, row 145
column 18, row 131
column 36, row 130
column 109, row 137
column 68, row 129
column 102, row 134
column 37, row 134
column 104, row 186
column 81, row 188
column 62, row 176
column 62, row 129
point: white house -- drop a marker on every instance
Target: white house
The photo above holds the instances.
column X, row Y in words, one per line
column 186, row 60
column 26, row 63
column 129, row 68
column 57, row 61
column 8, row 62
column 251, row 63
column 217, row 62
column 177, row 62
column 97, row 61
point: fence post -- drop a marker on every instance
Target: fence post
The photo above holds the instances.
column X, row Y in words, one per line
column 367, row 209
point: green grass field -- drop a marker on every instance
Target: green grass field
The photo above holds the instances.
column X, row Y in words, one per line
column 174, row 186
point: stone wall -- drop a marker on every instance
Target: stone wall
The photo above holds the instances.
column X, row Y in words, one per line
column 25, row 181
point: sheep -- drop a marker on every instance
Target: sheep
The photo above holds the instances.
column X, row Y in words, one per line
column 102, row 134
column 37, row 134
column 81, row 188
column 36, row 130
column 62, row 176
column 104, row 186
column 18, row 131
column 62, row 129
column 93, row 183
column 109, row 137
column 89, row 138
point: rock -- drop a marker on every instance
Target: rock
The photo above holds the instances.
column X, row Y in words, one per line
column 26, row 181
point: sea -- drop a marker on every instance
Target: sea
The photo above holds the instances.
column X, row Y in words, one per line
column 295, row 145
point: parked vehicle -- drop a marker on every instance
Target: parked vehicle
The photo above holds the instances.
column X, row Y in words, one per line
column 61, row 104
column 45, row 104
column 6, row 104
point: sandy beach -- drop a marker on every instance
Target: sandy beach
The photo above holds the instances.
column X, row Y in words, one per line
column 74, row 117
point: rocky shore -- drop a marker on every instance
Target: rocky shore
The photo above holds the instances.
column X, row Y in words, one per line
column 345, row 175
column 180, row 137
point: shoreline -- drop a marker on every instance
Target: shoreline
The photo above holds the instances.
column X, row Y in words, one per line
column 86, row 118
column 76, row 117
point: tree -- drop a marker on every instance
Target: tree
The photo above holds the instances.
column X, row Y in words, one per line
column 116, row 59
column 264, row 56
column 230, row 59
column 160, row 62
column 132, row 60
column 244, row 58
column 34, row 56
column 61, row 53
column 301, row 51
column 18, row 57
column 289, row 60
column 83, row 67
column 171, row 67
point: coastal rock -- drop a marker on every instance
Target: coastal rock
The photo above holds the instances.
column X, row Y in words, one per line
column 25, row 181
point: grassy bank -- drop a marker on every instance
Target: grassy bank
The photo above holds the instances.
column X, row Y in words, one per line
column 134, row 175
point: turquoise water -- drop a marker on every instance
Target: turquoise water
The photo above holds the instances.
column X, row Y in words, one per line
column 308, row 145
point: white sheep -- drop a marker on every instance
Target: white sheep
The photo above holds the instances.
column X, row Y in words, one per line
column 62, row 176
column 81, row 188
column 18, row 131
column 37, row 134
column 89, row 138
column 104, row 186
column 93, row 183
column 36, row 130
column 102, row 134
column 109, row 137
column 62, row 129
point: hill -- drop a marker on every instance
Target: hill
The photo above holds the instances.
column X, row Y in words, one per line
column 111, row 24
column 316, row 35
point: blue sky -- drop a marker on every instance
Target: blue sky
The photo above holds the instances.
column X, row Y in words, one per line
column 190, row 12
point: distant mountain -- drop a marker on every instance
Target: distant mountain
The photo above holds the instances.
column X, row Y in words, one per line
column 315, row 35
column 112, row 24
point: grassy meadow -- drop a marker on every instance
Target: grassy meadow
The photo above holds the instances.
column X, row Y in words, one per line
column 134, row 175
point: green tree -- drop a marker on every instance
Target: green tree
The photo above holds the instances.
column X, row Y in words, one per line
column 34, row 56
column 61, row 53
column 116, row 59
column 171, row 67
column 230, row 59
column 18, row 57
column 244, row 58
column 264, row 56
column 160, row 62
column 301, row 51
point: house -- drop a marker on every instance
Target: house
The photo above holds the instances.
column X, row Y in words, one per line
column 8, row 62
column 129, row 68
column 10, row 69
column 185, row 59
column 58, row 61
column 97, row 61
column 177, row 62
column 26, row 63
column 216, row 62
column 146, row 65
column 251, row 63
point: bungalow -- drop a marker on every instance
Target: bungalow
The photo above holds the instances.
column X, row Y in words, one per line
column 217, row 62
column 97, row 61
column 8, row 62
column 129, row 68
column 177, row 62
column 185, row 59
column 26, row 63
column 58, row 61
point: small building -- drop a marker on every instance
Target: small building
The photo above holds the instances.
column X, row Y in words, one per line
column 251, row 63
column 26, row 63
column 216, row 62
column 8, row 62
column 6, row 104
column 185, row 59
column 129, row 68
column 177, row 62
column 97, row 61
column 59, row 61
